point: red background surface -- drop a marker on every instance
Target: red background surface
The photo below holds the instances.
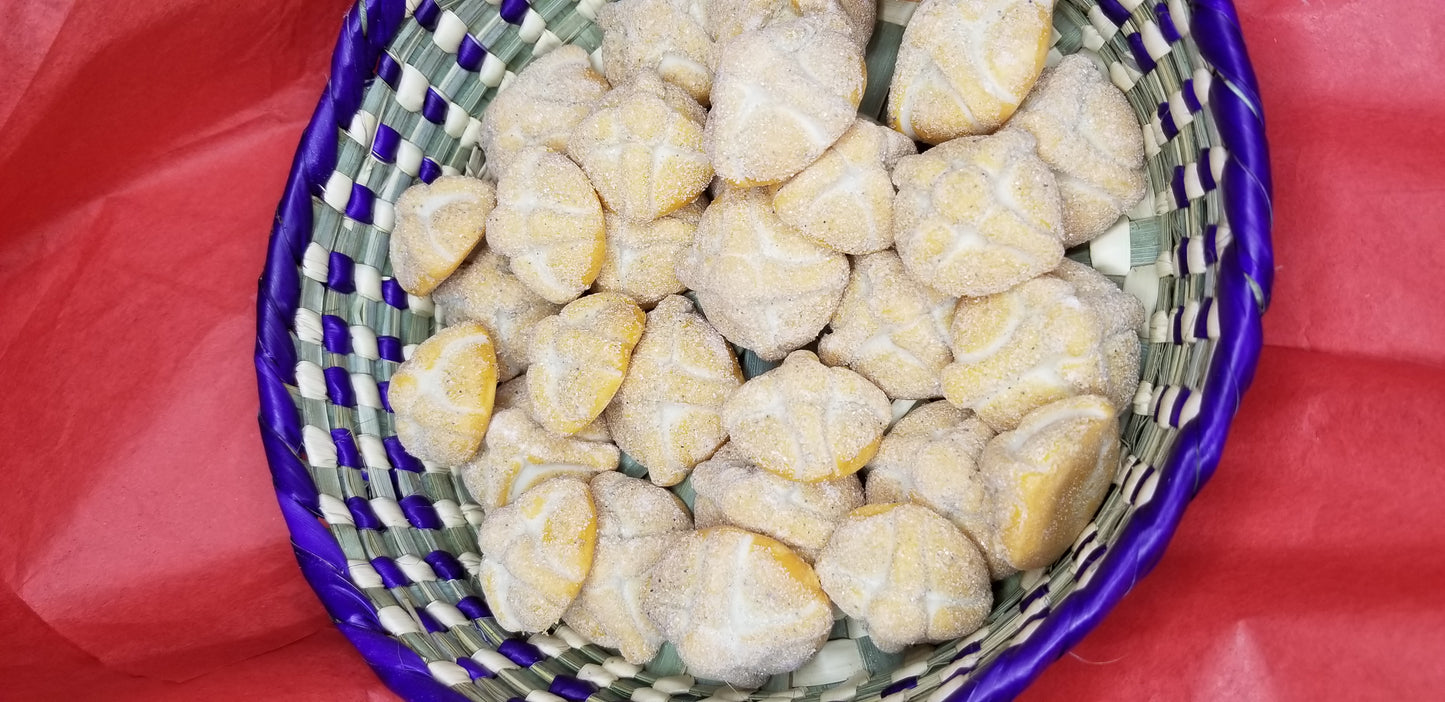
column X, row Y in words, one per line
column 143, row 146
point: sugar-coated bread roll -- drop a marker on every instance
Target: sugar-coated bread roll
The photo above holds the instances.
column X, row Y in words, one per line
column 965, row 65
column 1121, row 318
column 667, row 37
column 908, row 573
column 1049, row 476
column 891, row 329
column 1088, row 134
column 637, row 522
column 437, row 225
column 763, row 285
column 513, row 393
column 632, row 508
column 548, row 223
column 731, row 490
column 781, row 96
column 725, row 19
column 536, row 552
column 579, row 358
column 977, row 215
column 737, row 606
column 1053, row 337
column 807, row 422
column 442, row 395
column 518, row 454
column 930, row 458
column 641, row 258
column 857, row 16
column 668, row 413
column 540, row 106
column 485, row 291
column 642, row 148
column 844, row 200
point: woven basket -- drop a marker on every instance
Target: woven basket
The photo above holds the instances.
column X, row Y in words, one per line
column 389, row 544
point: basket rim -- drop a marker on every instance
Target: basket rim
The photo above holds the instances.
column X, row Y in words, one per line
column 1244, row 279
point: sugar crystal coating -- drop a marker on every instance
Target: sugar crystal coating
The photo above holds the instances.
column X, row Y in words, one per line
column 518, row 454
column 1121, row 318
column 663, row 36
column 965, row 65
column 930, row 458
column 844, row 200
column 485, row 291
column 437, row 224
column 442, row 395
column 977, row 215
column 642, row 149
column 540, row 106
column 891, row 329
column 637, row 522
column 579, row 358
column 858, row 16
column 726, row 19
column 764, row 286
column 808, row 422
column 731, row 490
column 737, row 606
column 781, row 96
column 641, row 258
column 1088, row 134
column 536, row 552
column 513, row 393
column 1049, row 476
column 548, row 223
column 1050, row 338
column 667, row 414
column 908, row 573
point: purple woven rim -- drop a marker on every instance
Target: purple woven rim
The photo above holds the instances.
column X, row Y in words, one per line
column 1244, row 278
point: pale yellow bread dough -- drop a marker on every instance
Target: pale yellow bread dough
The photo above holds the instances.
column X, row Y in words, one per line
column 485, row 291
column 930, row 458
column 518, row 454
column 726, row 19
column 667, row 37
column 891, row 329
column 579, row 358
column 536, row 553
column 1088, row 134
column 637, row 522
column 844, row 200
column 977, row 215
column 764, row 286
column 908, row 573
column 540, row 106
column 442, row 395
column 1068, row 333
column 781, row 96
column 642, row 148
column 548, row 223
column 965, row 65
column 668, row 413
column 1049, row 476
column 737, row 606
column 807, row 422
column 641, row 258
column 731, row 490
column 437, row 225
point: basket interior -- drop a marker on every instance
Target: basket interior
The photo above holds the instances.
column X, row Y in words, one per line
column 407, row 529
